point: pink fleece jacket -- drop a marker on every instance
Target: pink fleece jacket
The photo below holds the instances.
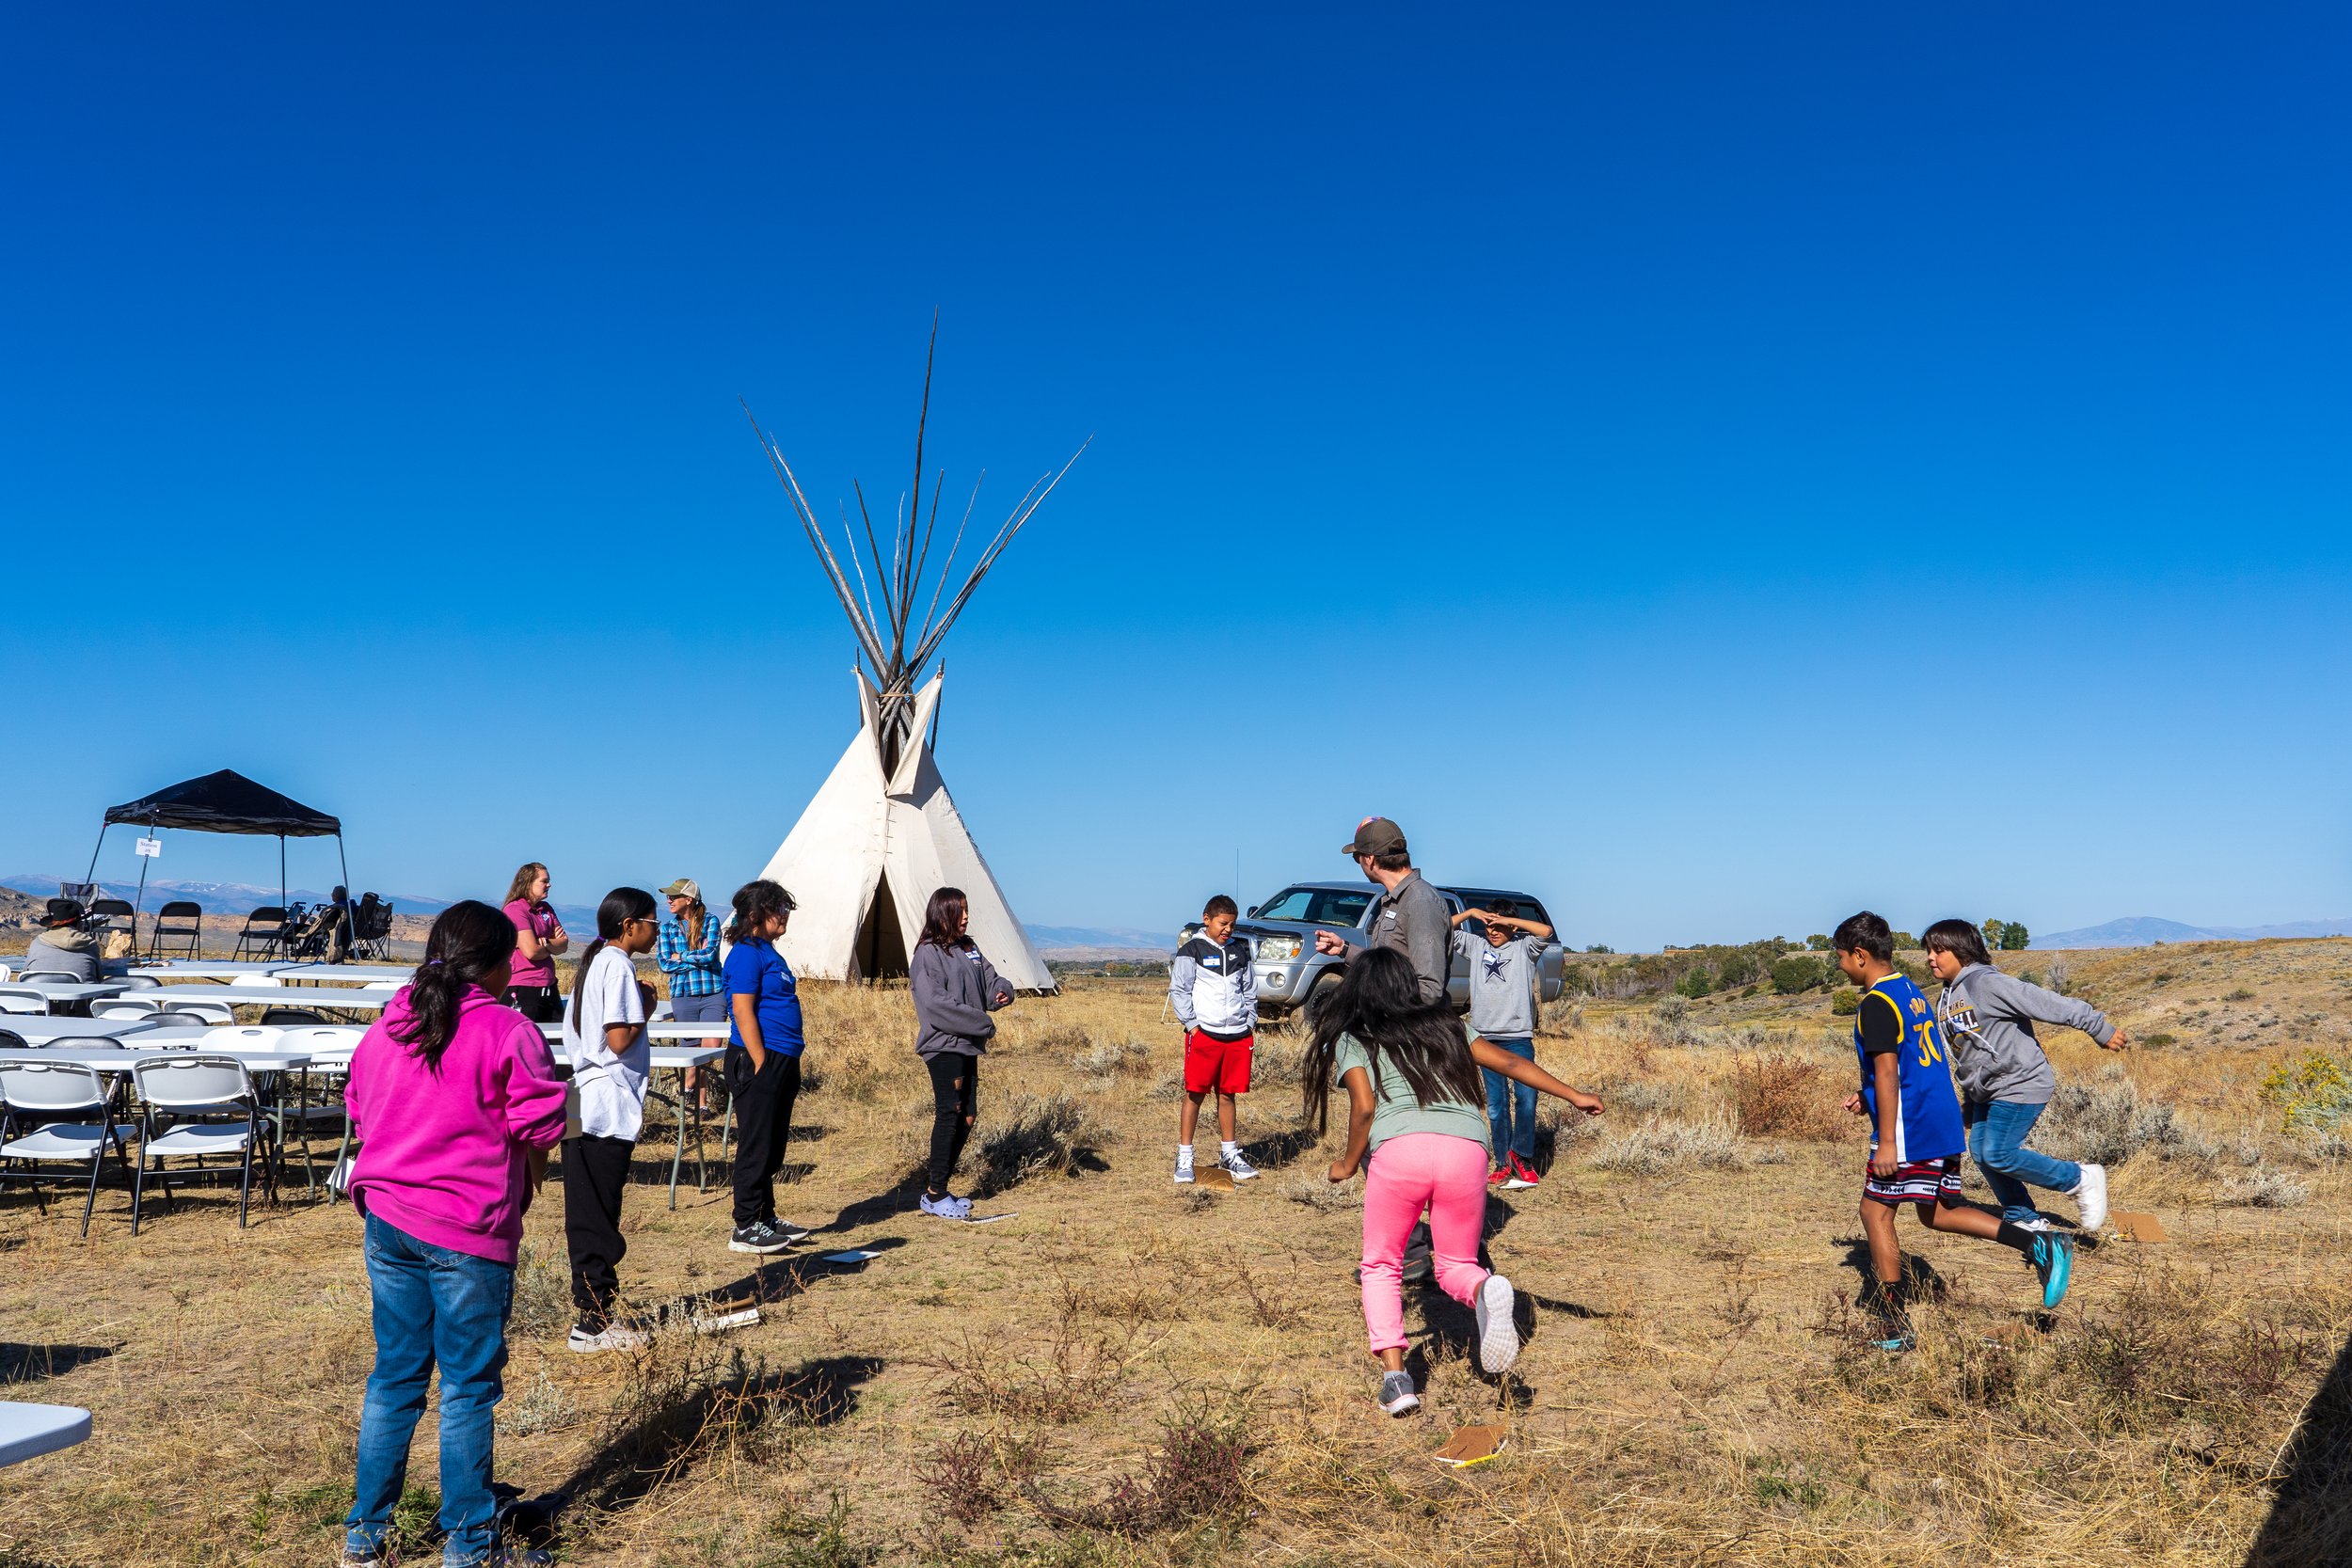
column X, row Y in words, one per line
column 443, row 1155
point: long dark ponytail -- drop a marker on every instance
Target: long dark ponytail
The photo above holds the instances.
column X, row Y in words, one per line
column 470, row 940
column 1379, row 1003
column 621, row 905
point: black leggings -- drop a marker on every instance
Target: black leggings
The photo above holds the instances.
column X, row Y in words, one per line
column 955, row 1101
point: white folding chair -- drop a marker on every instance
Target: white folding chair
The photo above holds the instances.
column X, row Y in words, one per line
column 124, row 1007
column 29, row 1090
column 329, row 1047
column 211, row 1012
column 50, row 977
column 193, row 1099
column 22, row 1003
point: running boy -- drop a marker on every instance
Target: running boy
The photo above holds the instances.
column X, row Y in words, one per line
column 1213, row 985
column 1915, row 1133
column 2005, row 1080
column 1502, row 1013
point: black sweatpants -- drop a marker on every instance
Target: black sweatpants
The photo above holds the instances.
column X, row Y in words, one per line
column 539, row 1003
column 763, row 1125
column 955, row 1101
column 595, row 1171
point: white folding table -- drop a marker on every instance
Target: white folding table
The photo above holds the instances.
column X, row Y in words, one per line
column 69, row 992
column 119, row 1059
column 37, row 1030
column 348, row 974
column 29, row 1430
column 274, row 996
column 205, row 969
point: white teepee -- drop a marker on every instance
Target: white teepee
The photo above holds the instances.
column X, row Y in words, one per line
column 882, row 835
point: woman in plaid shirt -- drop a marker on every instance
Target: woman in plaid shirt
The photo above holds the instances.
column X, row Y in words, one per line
column 687, row 951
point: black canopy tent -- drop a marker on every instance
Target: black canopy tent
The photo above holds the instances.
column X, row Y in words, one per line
column 224, row 802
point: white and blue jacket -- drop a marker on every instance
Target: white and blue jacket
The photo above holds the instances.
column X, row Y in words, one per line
column 1214, row 989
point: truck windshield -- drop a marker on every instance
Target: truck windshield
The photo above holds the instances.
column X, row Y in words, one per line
column 1317, row 906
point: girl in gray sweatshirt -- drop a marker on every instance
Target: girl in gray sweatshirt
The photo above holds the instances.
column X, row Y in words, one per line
column 2005, row 1080
column 955, row 990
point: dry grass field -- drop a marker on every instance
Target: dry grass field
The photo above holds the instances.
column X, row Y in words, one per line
column 1131, row 1373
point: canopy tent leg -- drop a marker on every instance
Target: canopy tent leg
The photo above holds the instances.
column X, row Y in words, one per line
column 281, row 871
column 138, row 904
column 91, row 875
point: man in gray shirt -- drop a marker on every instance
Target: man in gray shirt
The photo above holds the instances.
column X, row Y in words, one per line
column 63, row 947
column 1410, row 916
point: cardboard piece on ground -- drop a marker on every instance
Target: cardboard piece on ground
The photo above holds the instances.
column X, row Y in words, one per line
column 846, row 1257
column 1214, row 1180
column 2135, row 1228
column 1472, row 1446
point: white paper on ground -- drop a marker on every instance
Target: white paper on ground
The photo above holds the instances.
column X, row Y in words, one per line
column 989, row 1219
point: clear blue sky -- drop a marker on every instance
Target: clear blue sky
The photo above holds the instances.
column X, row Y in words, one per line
column 1716, row 467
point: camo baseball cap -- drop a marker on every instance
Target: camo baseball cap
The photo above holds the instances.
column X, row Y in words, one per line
column 1375, row 835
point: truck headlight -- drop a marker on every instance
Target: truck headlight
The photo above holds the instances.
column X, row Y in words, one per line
column 1275, row 950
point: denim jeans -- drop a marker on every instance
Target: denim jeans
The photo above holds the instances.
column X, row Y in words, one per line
column 1997, row 1130
column 1511, row 1105
column 432, row 1305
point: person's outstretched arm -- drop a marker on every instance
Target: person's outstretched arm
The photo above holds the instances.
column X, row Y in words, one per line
column 1496, row 1059
column 1997, row 993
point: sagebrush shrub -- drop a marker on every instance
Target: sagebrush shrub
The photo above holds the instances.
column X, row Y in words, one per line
column 1779, row 1096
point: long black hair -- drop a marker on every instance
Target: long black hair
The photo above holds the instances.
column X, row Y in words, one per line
column 941, row 918
column 1958, row 938
column 1379, row 1003
column 754, row 903
column 621, row 905
column 468, row 940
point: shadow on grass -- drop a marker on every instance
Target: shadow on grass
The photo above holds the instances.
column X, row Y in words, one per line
column 32, row 1363
column 2311, row 1518
column 1277, row 1150
column 677, row 1420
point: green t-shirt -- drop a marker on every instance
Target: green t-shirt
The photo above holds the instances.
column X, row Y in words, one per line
column 1394, row 1111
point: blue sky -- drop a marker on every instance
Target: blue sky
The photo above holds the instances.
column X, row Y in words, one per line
column 1714, row 468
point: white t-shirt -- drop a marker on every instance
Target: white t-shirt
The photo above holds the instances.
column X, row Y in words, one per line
column 612, row 1089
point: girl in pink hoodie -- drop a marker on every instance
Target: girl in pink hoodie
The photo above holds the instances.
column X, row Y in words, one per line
column 455, row 1102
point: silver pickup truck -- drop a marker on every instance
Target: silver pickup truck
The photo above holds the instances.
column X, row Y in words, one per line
column 1291, row 974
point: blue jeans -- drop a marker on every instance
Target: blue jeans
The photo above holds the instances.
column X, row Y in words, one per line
column 1997, row 1130
column 1511, row 1104
column 432, row 1305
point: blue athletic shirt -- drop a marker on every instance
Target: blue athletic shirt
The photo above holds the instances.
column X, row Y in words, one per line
column 1926, row 1125
column 757, row 970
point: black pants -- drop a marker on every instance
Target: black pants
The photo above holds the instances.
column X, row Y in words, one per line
column 595, row 1171
column 955, row 1101
column 763, row 1125
column 539, row 1003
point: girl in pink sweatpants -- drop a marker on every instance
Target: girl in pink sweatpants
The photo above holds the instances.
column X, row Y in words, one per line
column 1417, row 1107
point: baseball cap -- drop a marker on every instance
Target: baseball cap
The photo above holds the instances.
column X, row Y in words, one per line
column 1375, row 835
column 685, row 887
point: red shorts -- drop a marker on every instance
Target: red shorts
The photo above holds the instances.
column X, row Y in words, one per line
column 1214, row 1064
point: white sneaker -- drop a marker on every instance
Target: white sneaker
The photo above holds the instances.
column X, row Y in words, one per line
column 2038, row 1224
column 1236, row 1167
column 2091, row 1193
column 1498, row 1338
column 613, row 1335
column 1183, row 1172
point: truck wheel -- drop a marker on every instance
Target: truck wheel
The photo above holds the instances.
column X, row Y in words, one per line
column 1326, row 982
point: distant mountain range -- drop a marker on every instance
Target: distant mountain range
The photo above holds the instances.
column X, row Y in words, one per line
column 2145, row 930
column 240, row 897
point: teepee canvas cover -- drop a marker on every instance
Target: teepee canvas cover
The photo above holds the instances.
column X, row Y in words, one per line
column 866, row 854
column 882, row 835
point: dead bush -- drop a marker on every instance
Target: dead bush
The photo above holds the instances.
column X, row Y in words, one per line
column 1042, row 1135
column 1779, row 1096
column 1197, row 1475
column 2105, row 1122
column 1657, row 1147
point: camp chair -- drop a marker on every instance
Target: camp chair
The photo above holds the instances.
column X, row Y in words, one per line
column 372, row 928
column 264, row 934
column 179, row 929
column 32, row 1092
column 206, row 1107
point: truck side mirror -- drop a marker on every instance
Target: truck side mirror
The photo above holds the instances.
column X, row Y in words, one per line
column 1254, row 909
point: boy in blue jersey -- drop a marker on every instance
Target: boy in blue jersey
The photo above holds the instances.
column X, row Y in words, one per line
column 1916, row 1136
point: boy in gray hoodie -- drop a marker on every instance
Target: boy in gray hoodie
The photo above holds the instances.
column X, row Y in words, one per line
column 2005, row 1080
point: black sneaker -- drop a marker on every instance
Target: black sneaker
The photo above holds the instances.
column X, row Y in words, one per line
column 759, row 1236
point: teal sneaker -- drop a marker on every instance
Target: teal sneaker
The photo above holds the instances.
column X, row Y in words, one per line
column 2053, row 1262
